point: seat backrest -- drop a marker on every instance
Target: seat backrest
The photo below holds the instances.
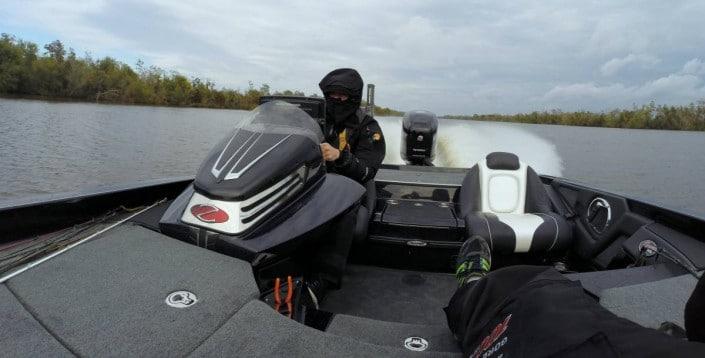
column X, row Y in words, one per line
column 501, row 184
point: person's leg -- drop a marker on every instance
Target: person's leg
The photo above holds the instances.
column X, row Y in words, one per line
column 477, row 297
column 332, row 256
column 535, row 311
column 330, row 259
column 478, row 301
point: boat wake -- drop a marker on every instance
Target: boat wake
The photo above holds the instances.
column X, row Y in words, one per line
column 464, row 143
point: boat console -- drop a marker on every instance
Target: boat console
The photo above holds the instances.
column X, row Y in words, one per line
column 262, row 188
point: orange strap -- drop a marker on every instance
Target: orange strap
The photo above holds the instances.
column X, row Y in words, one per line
column 289, row 295
column 277, row 297
column 289, row 289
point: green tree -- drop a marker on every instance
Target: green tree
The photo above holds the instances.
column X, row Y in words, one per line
column 55, row 50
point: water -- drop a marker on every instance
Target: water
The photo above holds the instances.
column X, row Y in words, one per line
column 50, row 147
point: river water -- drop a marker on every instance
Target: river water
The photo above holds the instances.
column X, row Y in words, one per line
column 52, row 147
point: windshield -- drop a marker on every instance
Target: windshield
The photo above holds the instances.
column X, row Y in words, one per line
column 279, row 117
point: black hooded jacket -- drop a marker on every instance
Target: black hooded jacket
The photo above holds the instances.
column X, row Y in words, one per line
column 356, row 134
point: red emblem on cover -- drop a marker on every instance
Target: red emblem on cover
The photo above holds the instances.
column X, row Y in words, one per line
column 209, row 214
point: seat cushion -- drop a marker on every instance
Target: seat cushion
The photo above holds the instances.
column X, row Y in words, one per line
column 510, row 233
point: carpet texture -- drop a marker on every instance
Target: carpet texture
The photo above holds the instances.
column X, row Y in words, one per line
column 393, row 334
column 393, row 295
column 107, row 297
column 257, row 331
column 21, row 335
column 652, row 303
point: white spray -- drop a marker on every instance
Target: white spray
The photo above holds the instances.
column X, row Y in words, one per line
column 464, row 143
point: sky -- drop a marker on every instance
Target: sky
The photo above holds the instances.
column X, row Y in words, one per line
column 452, row 57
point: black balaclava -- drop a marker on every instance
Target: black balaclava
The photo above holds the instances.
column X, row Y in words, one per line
column 346, row 81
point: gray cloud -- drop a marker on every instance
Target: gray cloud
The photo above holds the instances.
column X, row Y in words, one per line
column 614, row 65
column 451, row 57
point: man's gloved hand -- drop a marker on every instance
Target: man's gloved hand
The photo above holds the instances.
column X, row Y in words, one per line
column 329, row 152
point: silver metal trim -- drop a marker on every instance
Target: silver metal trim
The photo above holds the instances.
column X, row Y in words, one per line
column 600, row 202
column 252, row 144
column 416, row 344
column 278, row 200
column 235, row 175
column 285, row 188
column 217, row 172
column 281, row 195
column 648, row 248
column 416, row 243
column 181, row 299
column 266, row 192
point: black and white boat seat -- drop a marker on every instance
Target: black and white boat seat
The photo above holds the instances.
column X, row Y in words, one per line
column 503, row 200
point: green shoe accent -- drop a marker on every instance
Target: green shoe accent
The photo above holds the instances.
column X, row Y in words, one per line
column 484, row 265
column 473, row 276
column 462, row 268
column 474, row 260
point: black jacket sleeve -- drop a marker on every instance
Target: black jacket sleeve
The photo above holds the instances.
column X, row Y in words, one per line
column 362, row 164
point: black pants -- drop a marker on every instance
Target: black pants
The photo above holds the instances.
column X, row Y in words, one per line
column 533, row 311
column 330, row 258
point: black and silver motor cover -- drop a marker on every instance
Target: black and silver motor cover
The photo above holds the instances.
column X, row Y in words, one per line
column 418, row 139
column 271, row 156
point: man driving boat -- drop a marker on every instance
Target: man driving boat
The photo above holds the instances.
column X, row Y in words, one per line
column 354, row 144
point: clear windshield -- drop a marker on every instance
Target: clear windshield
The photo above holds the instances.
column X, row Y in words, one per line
column 279, row 117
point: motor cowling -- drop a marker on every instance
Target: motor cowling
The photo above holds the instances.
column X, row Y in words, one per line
column 418, row 142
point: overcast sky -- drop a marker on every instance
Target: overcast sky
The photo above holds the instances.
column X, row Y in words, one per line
column 452, row 57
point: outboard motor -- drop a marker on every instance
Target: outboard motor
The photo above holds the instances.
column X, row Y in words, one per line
column 418, row 141
column 267, row 173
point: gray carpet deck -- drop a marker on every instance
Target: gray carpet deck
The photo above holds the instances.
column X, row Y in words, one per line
column 393, row 334
column 107, row 296
column 393, row 295
column 652, row 303
column 23, row 336
column 274, row 335
column 598, row 281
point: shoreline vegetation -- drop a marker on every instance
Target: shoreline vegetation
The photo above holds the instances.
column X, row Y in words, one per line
column 59, row 74
column 650, row 116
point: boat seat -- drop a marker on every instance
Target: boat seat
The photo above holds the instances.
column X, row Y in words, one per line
column 503, row 200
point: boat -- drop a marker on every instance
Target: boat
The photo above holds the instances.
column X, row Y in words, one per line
column 220, row 264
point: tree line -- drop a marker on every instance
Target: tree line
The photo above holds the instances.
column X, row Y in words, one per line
column 651, row 116
column 58, row 73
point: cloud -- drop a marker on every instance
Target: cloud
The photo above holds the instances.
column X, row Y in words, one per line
column 451, row 57
column 695, row 67
column 614, row 65
column 682, row 87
